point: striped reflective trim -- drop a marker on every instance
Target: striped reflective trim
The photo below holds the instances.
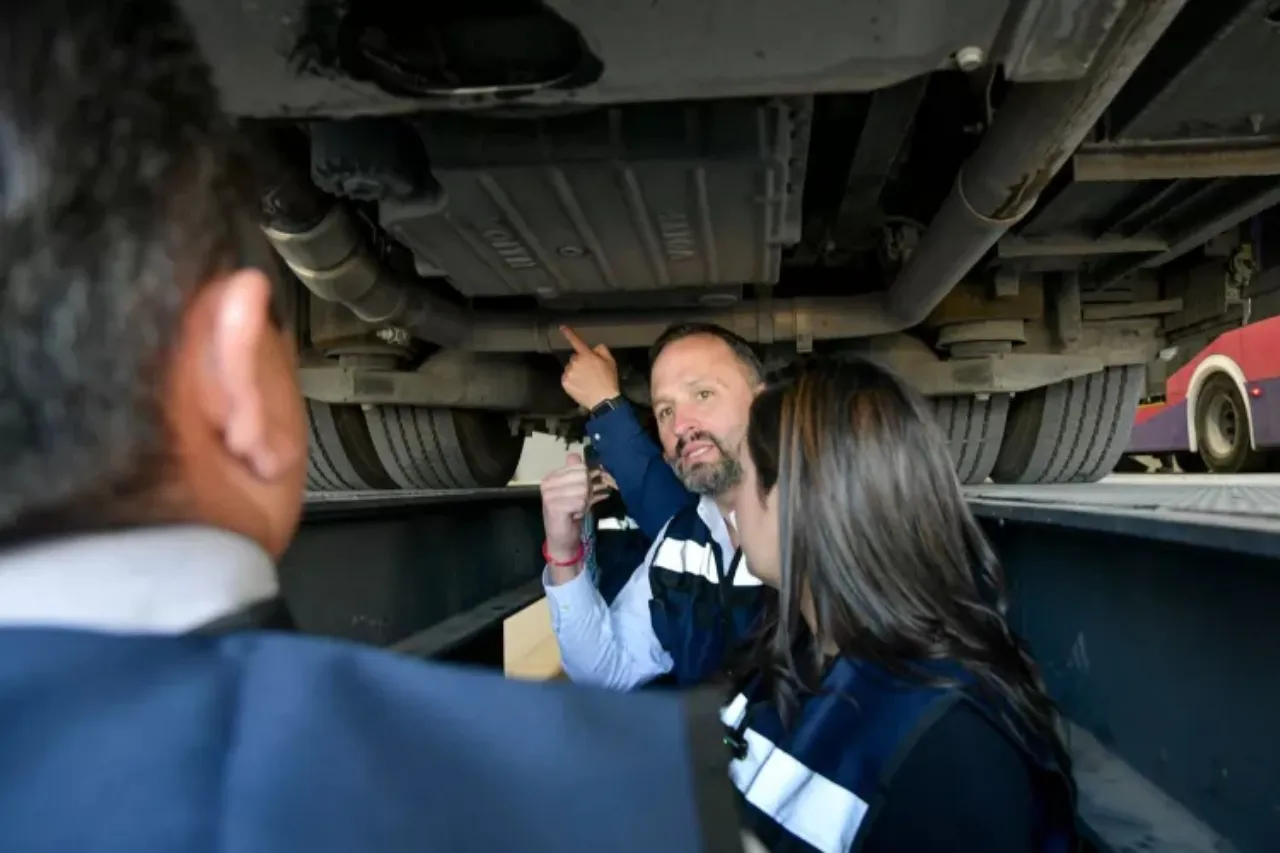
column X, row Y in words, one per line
column 694, row 558
column 804, row 803
column 686, row 556
column 735, row 712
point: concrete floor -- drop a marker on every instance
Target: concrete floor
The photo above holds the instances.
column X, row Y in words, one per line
column 1195, row 479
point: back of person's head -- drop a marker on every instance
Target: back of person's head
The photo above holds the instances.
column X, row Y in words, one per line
column 850, row 498
column 141, row 378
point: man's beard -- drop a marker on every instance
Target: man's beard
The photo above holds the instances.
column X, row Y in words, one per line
column 707, row 478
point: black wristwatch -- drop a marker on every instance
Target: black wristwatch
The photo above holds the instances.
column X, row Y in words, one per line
column 605, row 406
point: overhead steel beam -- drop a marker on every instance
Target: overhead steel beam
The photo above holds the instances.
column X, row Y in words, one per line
column 1176, row 162
column 884, row 133
column 1073, row 245
column 1233, row 203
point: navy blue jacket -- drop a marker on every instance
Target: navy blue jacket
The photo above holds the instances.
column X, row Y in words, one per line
column 649, row 487
column 831, row 779
column 260, row 743
column 701, row 613
column 706, row 605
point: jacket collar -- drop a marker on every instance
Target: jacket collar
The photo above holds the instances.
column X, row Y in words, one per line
column 164, row 580
column 718, row 528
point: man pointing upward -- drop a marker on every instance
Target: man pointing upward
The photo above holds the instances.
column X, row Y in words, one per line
column 702, row 384
column 591, row 376
column 649, row 488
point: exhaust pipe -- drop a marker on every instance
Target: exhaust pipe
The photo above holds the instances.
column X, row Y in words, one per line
column 450, row 379
column 333, row 262
column 316, row 238
column 761, row 321
column 1035, row 132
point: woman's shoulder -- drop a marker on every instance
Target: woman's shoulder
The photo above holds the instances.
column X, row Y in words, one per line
column 964, row 778
column 965, row 731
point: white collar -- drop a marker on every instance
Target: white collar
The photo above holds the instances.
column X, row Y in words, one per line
column 712, row 517
column 709, row 512
column 151, row 580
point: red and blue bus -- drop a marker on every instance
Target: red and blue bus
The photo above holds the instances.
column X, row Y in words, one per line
column 1221, row 410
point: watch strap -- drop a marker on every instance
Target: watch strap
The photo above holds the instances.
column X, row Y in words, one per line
column 605, row 406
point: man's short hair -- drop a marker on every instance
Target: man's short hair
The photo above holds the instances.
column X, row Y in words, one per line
column 119, row 197
column 737, row 343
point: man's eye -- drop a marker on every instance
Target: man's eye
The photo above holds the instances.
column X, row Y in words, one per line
column 663, row 414
column 704, row 395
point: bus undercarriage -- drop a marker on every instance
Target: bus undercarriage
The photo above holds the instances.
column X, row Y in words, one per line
column 1002, row 200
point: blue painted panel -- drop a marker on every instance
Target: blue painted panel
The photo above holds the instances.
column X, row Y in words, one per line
column 1169, row 655
column 377, row 573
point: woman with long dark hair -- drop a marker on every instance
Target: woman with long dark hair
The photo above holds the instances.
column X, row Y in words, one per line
column 891, row 707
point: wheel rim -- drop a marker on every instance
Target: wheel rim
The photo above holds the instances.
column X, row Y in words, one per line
column 1222, row 426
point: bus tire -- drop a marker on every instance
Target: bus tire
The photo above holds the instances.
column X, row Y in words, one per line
column 973, row 429
column 385, row 448
column 331, row 464
column 1073, row 431
column 1223, row 438
column 422, row 448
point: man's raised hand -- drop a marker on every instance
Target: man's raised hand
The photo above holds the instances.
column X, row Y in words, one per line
column 591, row 376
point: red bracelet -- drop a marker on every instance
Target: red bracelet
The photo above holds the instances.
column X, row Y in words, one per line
column 577, row 557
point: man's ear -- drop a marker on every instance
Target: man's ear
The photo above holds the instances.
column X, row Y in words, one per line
column 235, row 316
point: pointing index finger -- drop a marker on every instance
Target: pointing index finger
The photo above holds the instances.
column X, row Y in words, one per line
column 578, row 344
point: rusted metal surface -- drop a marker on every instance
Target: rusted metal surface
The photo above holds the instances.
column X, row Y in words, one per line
column 1124, row 311
column 451, row 379
column 982, row 331
column 1225, row 159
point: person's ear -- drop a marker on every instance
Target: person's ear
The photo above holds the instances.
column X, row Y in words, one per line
column 235, row 391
